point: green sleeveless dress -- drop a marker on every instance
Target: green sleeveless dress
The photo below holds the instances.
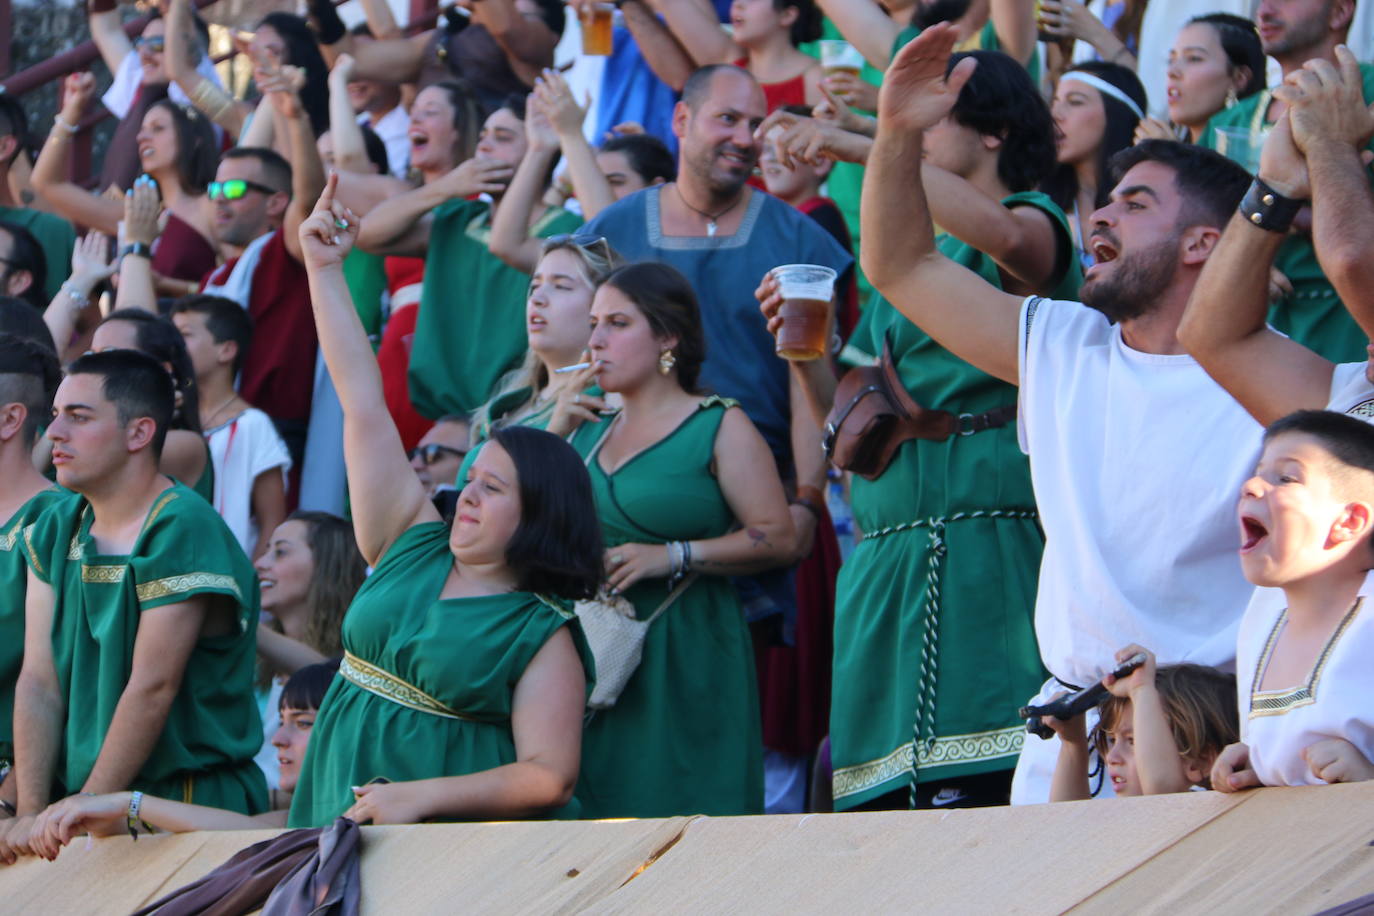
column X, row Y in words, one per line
column 934, row 610
column 684, row 737
column 465, row 653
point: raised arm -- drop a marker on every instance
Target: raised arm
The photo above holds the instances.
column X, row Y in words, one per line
column 137, row 286
column 1014, row 23
column 214, row 102
column 1071, row 19
column 525, row 39
column 1156, row 754
column 865, row 26
column 696, row 28
column 307, row 174
column 663, row 53
column 951, row 303
column 396, row 60
column 1224, row 325
column 385, row 495
column 107, row 31
column 1331, row 125
column 510, row 233
column 400, row 225
column 1022, row 240
column 554, row 100
column 90, row 267
column 66, row 199
column 350, row 153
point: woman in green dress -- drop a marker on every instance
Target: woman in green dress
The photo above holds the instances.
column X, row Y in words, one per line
column 185, row 455
column 462, row 684
column 685, row 485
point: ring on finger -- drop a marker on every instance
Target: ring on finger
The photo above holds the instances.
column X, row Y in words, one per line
column 577, row 399
column 617, row 559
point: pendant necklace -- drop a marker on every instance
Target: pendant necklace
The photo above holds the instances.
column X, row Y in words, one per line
column 711, row 227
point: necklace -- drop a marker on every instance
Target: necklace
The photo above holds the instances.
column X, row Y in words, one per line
column 711, row 227
column 208, row 424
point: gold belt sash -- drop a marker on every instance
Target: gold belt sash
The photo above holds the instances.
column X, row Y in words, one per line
column 388, row 686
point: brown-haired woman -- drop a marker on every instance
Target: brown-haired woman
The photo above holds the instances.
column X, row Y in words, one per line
column 685, row 486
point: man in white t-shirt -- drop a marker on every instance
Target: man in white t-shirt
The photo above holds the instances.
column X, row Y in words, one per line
column 1136, row 455
column 250, row 459
column 1312, row 153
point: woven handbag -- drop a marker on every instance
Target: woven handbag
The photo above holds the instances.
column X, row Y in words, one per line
column 616, row 639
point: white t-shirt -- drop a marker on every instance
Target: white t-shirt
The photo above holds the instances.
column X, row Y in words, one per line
column 119, row 98
column 1137, row 460
column 1334, row 701
column 393, row 128
column 1351, row 391
column 242, row 449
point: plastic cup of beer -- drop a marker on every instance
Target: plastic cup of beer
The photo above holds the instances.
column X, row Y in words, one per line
column 840, row 57
column 1242, row 145
column 807, row 290
column 596, row 28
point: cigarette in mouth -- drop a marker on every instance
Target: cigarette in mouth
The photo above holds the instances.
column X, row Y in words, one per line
column 575, row 367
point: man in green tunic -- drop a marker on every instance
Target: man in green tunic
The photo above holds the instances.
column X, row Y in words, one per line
column 1312, row 314
column 29, row 374
column 152, row 607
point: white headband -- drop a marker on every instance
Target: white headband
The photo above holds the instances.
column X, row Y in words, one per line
column 1105, row 88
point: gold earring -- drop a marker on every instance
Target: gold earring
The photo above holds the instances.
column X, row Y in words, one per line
column 666, row 361
column 1231, row 97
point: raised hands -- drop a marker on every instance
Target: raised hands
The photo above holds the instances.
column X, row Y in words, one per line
column 143, row 216
column 1326, row 103
column 476, row 176
column 328, row 233
column 1282, row 165
column 77, row 91
column 574, row 407
column 916, row 94
column 554, row 98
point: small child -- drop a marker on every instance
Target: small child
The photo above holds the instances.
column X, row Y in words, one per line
column 1158, row 732
column 1303, row 653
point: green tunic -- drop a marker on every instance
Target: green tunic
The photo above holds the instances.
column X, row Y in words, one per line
column 204, row 487
column 365, row 274
column 466, row 653
column 205, row 752
column 470, row 330
column 13, row 585
column 684, row 737
column 934, row 609
column 55, row 236
column 502, row 412
column 1313, row 314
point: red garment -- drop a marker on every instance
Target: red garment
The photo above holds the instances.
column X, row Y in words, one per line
column 278, row 374
column 181, row 252
column 787, row 92
column 824, row 211
column 794, row 681
column 393, row 354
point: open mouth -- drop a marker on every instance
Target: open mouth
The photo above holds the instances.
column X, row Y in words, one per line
column 1252, row 533
column 1102, row 250
column 418, row 140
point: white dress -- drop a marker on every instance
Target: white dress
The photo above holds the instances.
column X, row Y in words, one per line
column 1335, row 701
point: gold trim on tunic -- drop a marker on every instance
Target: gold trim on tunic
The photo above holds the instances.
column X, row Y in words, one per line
column 388, row 686
column 103, row 575
column 946, row 751
column 186, row 582
column 1278, row 702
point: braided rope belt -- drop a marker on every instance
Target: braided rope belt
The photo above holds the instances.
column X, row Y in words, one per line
column 923, row 724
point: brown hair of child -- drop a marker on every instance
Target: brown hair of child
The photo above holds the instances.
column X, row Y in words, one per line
column 1200, row 704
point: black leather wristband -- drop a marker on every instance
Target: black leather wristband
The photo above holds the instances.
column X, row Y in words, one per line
column 138, row 249
column 1266, row 208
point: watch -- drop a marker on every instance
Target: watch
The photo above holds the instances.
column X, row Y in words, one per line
column 139, row 249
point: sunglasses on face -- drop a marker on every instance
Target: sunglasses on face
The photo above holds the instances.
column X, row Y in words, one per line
column 234, row 189
column 433, row 452
column 152, row 43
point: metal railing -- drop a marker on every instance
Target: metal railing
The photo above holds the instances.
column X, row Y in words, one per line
column 423, row 15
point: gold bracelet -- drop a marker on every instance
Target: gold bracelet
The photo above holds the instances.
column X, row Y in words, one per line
column 210, row 99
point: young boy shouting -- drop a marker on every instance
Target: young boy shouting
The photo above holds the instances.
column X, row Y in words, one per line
column 1303, row 672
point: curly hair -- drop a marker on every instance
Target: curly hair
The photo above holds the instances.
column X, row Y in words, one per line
column 1000, row 100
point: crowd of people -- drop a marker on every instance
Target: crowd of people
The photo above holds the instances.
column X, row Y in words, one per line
column 409, row 440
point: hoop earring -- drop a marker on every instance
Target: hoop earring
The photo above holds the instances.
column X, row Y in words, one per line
column 666, row 361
